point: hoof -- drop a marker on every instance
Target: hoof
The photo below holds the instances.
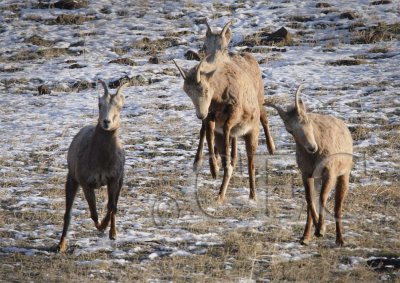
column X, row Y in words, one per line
column 219, row 200
column 305, row 241
column 320, row 231
column 102, row 226
column 271, row 151
column 339, row 242
column 61, row 247
column 113, row 235
column 197, row 165
column 214, row 172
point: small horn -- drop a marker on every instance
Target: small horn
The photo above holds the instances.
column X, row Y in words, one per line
column 180, row 70
column 104, row 86
column 121, row 87
column 208, row 27
column 226, row 27
column 297, row 103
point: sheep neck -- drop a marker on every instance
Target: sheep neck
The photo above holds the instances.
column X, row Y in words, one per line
column 104, row 142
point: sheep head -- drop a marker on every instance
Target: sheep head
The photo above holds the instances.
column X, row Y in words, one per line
column 217, row 41
column 110, row 106
column 197, row 86
column 298, row 124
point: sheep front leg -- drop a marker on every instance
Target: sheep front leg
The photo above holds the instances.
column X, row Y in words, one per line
column 226, row 163
column 198, row 159
column 113, row 191
column 214, row 168
column 71, row 187
column 311, row 211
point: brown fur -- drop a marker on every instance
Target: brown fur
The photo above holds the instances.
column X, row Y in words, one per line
column 216, row 45
column 96, row 158
column 324, row 149
column 218, row 86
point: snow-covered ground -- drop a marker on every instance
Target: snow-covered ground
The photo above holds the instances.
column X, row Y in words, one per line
column 158, row 211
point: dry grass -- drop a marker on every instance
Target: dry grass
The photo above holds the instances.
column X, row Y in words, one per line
column 381, row 32
column 346, row 62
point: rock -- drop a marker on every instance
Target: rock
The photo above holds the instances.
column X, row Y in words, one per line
column 266, row 38
column 154, row 60
column 44, row 89
column 192, row 55
column 381, row 2
column 78, row 44
column 76, row 66
column 106, row 10
column 71, row 4
column 134, row 81
column 348, row 15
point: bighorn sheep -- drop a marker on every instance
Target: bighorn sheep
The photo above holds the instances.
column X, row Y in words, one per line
column 324, row 149
column 96, row 158
column 220, row 87
column 216, row 44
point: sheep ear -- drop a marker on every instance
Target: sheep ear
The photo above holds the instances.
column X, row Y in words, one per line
column 228, row 35
column 226, row 28
column 208, row 75
column 120, row 88
column 182, row 71
column 282, row 113
column 105, row 87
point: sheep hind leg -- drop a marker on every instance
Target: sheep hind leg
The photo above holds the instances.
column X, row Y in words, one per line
column 342, row 188
column 113, row 229
column 251, row 141
column 234, row 152
column 91, row 200
column 71, row 187
column 327, row 183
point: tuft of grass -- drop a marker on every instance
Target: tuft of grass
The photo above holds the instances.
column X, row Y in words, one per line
column 346, row 62
column 379, row 49
column 381, row 32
